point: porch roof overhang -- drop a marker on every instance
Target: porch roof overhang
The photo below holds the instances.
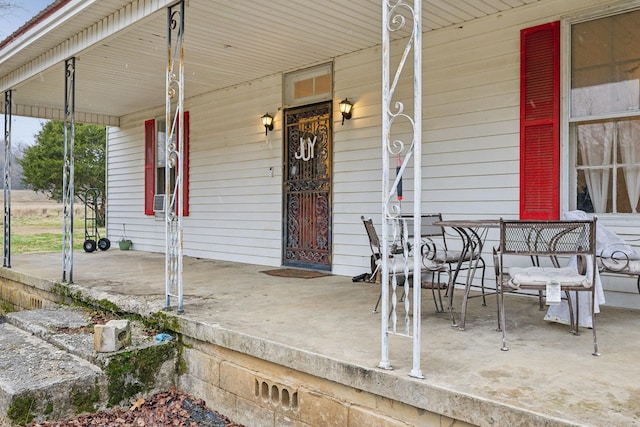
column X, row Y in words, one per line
column 121, row 50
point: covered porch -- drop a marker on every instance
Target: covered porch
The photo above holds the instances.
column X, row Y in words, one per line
column 319, row 337
column 316, row 337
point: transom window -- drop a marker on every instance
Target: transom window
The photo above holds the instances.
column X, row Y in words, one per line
column 309, row 85
column 605, row 113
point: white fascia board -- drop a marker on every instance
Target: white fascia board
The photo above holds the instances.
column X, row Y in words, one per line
column 130, row 14
column 41, row 28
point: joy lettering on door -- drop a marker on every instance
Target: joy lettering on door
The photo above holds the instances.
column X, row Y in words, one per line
column 307, row 149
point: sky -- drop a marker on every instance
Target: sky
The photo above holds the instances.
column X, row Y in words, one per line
column 23, row 129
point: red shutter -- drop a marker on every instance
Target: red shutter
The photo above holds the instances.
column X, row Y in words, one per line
column 540, row 122
column 149, row 165
column 185, row 165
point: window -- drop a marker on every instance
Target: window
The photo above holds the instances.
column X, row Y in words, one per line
column 604, row 131
column 308, row 86
column 161, row 159
column 155, row 163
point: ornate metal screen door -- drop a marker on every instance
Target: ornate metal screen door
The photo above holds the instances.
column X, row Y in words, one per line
column 307, row 187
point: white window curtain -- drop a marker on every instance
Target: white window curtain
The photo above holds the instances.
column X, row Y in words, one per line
column 595, row 142
column 629, row 142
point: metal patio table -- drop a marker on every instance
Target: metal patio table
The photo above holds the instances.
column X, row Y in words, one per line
column 473, row 234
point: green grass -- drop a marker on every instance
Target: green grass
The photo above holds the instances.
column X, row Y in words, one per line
column 46, row 241
column 47, row 221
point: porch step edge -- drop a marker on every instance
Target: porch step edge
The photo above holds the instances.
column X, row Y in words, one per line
column 39, row 380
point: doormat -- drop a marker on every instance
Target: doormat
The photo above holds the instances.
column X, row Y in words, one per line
column 295, row 273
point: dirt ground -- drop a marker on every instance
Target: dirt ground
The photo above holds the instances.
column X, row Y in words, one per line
column 25, row 199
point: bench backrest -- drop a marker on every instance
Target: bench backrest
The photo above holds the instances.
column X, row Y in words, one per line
column 552, row 238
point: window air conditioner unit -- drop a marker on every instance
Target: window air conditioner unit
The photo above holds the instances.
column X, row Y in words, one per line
column 158, row 203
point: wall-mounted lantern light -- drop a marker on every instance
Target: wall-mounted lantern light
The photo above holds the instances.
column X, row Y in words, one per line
column 267, row 122
column 345, row 109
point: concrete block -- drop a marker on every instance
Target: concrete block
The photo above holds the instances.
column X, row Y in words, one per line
column 321, row 410
column 202, row 365
column 238, row 380
column 285, row 421
column 223, row 401
column 113, row 336
column 365, row 417
column 251, row 414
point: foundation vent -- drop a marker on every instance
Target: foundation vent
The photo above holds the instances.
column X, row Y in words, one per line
column 35, row 303
column 276, row 394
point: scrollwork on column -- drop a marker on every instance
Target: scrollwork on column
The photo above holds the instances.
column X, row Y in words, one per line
column 7, row 178
column 174, row 119
column 400, row 17
column 68, row 190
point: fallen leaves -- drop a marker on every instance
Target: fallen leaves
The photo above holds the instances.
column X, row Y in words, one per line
column 137, row 404
column 170, row 408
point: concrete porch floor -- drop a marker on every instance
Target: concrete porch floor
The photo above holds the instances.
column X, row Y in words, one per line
column 325, row 327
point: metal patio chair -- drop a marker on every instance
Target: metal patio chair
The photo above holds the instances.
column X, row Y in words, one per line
column 376, row 249
column 557, row 240
column 401, row 252
column 436, row 259
column 376, row 255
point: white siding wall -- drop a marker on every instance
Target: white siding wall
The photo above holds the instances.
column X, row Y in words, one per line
column 470, row 147
column 357, row 148
column 125, row 185
column 471, row 111
column 235, row 206
column 471, row 158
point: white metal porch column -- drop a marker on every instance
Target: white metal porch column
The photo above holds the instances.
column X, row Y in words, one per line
column 174, row 119
column 68, row 191
column 7, row 179
column 398, row 16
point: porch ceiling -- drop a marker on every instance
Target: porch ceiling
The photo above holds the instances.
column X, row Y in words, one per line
column 226, row 43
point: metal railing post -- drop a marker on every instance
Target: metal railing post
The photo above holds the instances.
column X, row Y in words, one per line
column 174, row 120
column 68, row 192
column 7, row 178
column 396, row 15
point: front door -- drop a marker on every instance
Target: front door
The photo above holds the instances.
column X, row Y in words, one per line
column 307, row 187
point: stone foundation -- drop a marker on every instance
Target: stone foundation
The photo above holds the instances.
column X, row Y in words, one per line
column 19, row 295
column 258, row 393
